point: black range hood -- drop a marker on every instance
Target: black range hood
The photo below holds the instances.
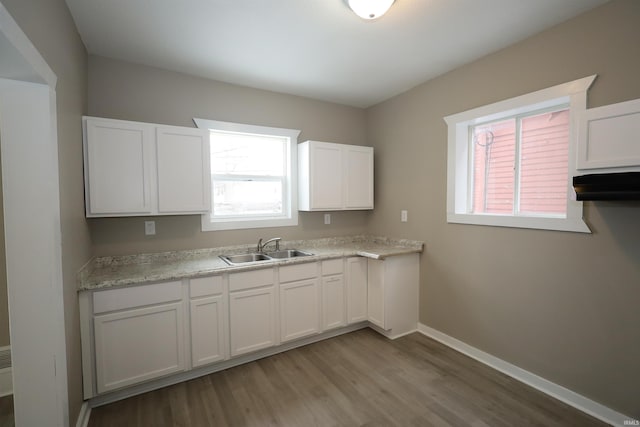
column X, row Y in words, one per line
column 608, row 186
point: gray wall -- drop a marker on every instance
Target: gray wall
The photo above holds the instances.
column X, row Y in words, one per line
column 49, row 26
column 561, row 305
column 135, row 92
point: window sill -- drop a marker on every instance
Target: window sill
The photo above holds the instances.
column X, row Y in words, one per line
column 540, row 223
column 208, row 225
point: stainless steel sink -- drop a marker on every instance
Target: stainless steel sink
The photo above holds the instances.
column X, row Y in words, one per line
column 244, row 258
column 288, row 253
column 261, row 257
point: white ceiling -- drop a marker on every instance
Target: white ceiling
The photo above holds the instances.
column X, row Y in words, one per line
column 313, row 48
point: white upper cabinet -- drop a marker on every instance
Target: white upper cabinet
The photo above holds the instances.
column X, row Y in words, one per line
column 117, row 158
column 358, row 177
column 183, row 170
column 134, row 169
column 334, row 176
column 608, row 137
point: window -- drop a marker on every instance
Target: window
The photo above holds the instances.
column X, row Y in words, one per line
column 510, row 163
column 252, row 176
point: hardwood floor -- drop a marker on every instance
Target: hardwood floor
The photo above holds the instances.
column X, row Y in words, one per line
column 357, row 379
column 6, row 411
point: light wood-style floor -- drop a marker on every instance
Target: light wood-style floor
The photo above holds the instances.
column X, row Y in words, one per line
column 357, row 379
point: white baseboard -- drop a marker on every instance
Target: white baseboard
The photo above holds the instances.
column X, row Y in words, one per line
column 390, row 334
column 83, row 416
column 556, row 391
column 6, row 382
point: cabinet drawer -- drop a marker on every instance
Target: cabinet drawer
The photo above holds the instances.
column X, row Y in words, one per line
column 137, row 296
column 332, row 266
column 203, row 286
column 251, row 279
column 292, row 273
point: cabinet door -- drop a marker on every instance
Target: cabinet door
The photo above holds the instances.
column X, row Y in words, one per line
column 252, row 316
column 358, row 179
column 183, row 170
column 333, row 312
column 376, row 304
column 207, row 330
column 608, row 136
column 356, row 289
column 299, row 309
column 138, row 345
column 326, row 176
column 117, row 167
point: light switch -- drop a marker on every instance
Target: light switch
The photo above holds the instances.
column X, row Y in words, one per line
column 149, row 228
column 403, row 216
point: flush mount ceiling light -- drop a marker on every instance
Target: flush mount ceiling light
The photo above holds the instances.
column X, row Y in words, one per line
column 370, row 9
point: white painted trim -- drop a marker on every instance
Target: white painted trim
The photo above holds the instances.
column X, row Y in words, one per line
column 572, row 93
column 6, row 382
column 84, row 415
column 554, row 390
column 539, row 99
column 542, row 223
column 12, row 32
column 28, row 111
column 390, row 334
column 35, row 295
column 287, row 219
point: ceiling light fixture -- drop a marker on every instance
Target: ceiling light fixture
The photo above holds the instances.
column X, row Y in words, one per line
column 370, row 9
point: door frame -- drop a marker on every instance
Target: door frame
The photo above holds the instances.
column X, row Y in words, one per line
column 28, row 133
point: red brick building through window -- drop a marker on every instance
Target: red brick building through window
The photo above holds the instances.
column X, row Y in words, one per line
column 520, row 165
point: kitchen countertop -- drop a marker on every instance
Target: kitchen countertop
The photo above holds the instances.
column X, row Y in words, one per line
column 105, row 272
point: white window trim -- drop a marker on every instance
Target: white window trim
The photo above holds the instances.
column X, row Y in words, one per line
column 291, row 217
column 573, row 94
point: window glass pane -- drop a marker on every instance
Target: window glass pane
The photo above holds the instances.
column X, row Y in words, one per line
column 246, row 154
column 236, row 198
column 544, row 163
column 494, row 146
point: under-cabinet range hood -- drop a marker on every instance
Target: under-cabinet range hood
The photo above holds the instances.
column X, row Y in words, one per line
column 608, row 186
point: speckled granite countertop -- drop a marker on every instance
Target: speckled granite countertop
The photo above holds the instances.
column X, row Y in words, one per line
column 104, row 272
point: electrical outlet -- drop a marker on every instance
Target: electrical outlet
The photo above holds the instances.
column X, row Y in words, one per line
column 327, row 219
column 403, row 216
column 149, row 228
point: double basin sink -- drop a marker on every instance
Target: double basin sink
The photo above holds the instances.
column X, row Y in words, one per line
column 241, row 259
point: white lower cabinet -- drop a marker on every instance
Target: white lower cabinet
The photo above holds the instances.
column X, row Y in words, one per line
column 376, row 299
column 392, row 294
column 299, row 301
column 356, row 289
column 140, row 333
column 333, row 315
column 333, row 294
column 252, row 320
column 208, row 321
column 252, row 311
column 129, row 348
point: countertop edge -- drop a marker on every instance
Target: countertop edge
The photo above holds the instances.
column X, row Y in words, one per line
column 389, row 247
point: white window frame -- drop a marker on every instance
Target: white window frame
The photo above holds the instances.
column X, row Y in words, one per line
column 573, row 94
column 290, row 203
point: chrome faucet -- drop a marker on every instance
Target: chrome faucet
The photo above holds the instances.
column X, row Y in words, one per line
column 262, row 245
